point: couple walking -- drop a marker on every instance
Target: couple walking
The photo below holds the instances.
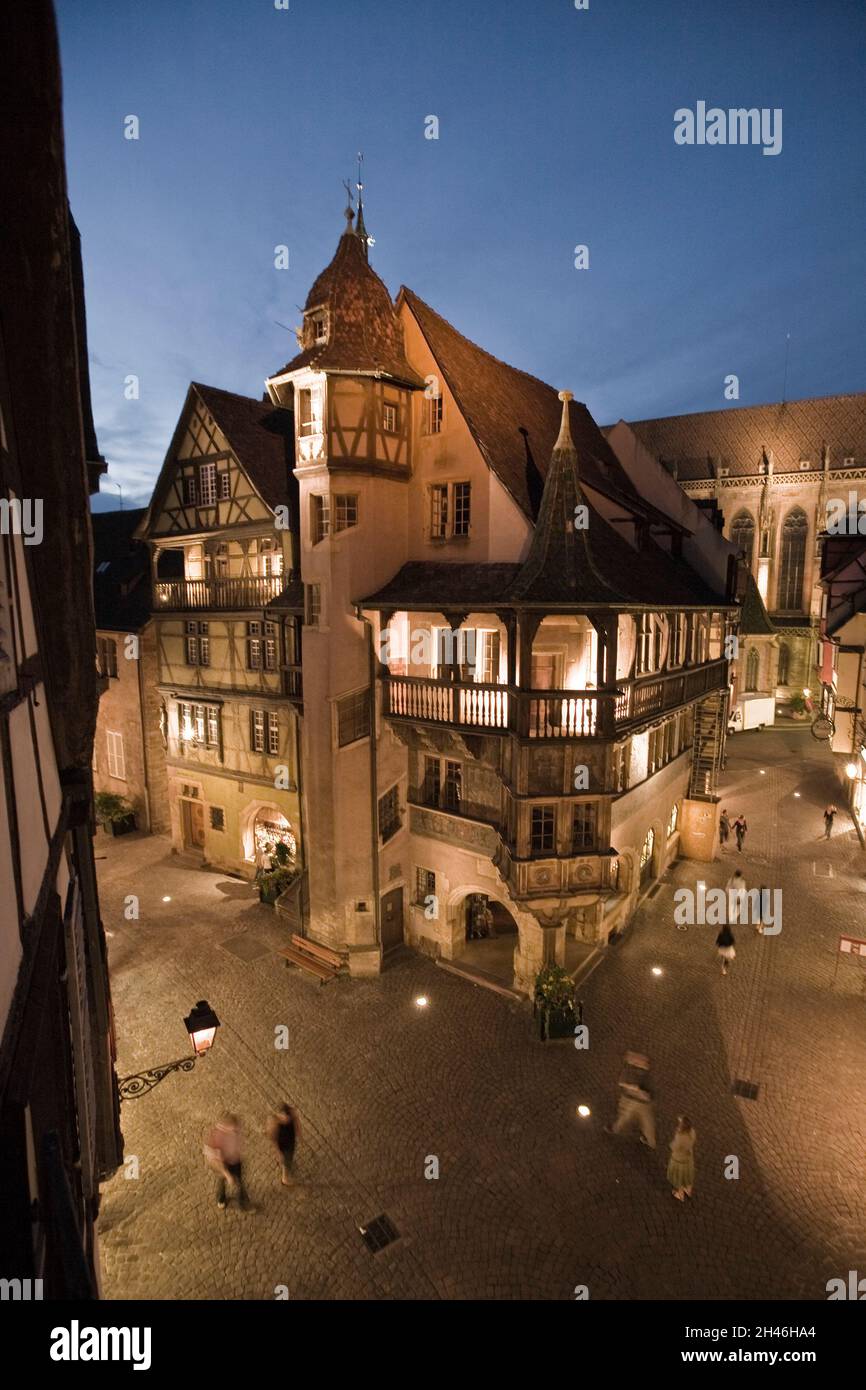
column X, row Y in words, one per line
column 739, row 827
column 636, row 1108
column 223, row 1152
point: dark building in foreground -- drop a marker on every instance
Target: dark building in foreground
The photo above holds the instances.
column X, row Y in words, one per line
column 59, row 1129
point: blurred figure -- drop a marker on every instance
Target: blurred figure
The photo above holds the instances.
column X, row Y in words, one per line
column 635, row 1100
column 681, row 1164
column 223, row 1150
column 740, row 828
column 829, row 817
column 724, row 829
column 726, row 945
column 283, row 1132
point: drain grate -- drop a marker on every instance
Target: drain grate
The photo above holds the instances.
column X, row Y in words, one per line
column 379, row 1233
column 657, row 889
column 821, row 869
column 747, row 1089
column 246, row 948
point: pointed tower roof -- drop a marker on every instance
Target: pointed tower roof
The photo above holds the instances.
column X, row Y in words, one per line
column 364, row 333
column 560, row 561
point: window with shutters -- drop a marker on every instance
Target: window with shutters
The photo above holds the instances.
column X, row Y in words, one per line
column 106, row 657
column 116, row 760
column 389, row 814
column 353, row 718
column 257, row 730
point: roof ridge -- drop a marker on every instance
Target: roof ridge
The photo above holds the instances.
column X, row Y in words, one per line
column 737, row 409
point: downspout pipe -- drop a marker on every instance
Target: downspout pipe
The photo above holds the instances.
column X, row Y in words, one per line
column 374, row 788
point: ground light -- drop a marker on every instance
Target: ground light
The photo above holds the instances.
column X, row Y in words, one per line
column 763, row 773
column 584, row 1111
column 421, row 1001
column 201, row 1023
column 797, row 794
column 166, row 900
column 851, row 771
column 657, row 970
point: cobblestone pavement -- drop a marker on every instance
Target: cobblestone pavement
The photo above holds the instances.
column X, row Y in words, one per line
column 531, row 1200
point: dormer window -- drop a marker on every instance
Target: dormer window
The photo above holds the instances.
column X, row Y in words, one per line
column 318, row 327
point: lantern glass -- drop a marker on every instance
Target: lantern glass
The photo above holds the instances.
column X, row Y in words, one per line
column 201, row 1025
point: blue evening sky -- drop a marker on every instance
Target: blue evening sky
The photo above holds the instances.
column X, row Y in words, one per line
column 555, row 128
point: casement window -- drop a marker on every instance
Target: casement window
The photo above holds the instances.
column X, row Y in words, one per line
column 254, row 646
column 450, row 510
column 452, row 787
column 270, row 558
column 106, row 657
column 319, row 328
column 309, row 412
column 116, row 761
column 320, row 517
column 583, row 827
column 269, row 650
column 261, row 646
column 345, row 511
column 199, row 724
column 188, row 490
column 390, row 417
column 217, row 818
column 673, row 822
column 432, row 415
column 620, row 769
column 353, row 717
column 677, row 639
column 225, row 485
column 432, row 782
column 389, row 814
column 650, row 642
column 314, row 605
column 264, row 732
column 487, row 665
column 207, row 485
column 198, row 644
column 542, row 830
column 425, row 886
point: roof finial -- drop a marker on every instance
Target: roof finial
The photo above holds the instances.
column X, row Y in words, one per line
column 349, row 214
column 564, row 440
column 360, row 228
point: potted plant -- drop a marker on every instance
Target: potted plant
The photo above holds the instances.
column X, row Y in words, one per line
column 554, row 1003
column 114, row 813
column 799, row 706
column 278, row 877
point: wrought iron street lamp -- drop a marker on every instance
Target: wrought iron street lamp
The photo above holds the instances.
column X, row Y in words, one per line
column 201, row 1024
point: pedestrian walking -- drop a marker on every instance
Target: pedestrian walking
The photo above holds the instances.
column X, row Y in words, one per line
column 283, row 1132
column 223, row 1149
column 740, row 828
column 829, row 817
column 681, row 1164
column 724, row 828
column 635, row 1100
column 735, row 899
column 726, row 946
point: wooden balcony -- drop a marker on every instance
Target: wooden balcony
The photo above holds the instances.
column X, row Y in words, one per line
column 546, row 714
column 227, row 593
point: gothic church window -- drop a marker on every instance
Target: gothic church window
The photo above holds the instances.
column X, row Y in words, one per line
column 784, row 664
column 792, row 560
column 743, row 535
column 752, row 665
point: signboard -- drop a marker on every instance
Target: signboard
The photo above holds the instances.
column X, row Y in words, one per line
column 852, row 946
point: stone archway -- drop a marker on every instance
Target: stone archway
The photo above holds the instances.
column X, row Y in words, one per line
column 256, row 814
column 512, row 954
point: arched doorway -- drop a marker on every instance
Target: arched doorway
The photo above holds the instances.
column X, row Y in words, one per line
column 486, row 936
column 646, row 857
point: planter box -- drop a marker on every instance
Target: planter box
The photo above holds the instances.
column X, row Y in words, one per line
column 557, row 1023
column 122, row 827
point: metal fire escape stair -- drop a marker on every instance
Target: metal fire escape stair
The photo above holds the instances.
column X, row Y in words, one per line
column 709, row 744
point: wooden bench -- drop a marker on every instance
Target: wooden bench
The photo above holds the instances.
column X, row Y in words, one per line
column 316, row 960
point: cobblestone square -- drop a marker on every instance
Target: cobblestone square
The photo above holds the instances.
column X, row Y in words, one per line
column 531, row 1201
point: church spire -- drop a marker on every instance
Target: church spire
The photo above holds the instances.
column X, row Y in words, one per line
column 360, row 227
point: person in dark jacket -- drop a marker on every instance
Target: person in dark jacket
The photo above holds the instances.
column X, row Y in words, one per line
column 740, row 828
column 829, row 817
column 724, row 828
column 283, row 1132
column 726, row 947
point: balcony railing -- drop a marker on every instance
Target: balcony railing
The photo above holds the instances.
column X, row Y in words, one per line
column 225, row 592
column 545, row 714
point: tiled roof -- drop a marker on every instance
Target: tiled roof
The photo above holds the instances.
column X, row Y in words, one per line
column 514, row 417
column 364, row 333
column 121, row 572
column 736, row 438
column 438, row 585
column 754, row 618
column 257, row 433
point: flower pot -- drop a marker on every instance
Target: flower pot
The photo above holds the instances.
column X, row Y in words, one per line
column 557, row 1023
column 122, row 826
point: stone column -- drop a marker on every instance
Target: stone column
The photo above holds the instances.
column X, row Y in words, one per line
column 539, row 945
